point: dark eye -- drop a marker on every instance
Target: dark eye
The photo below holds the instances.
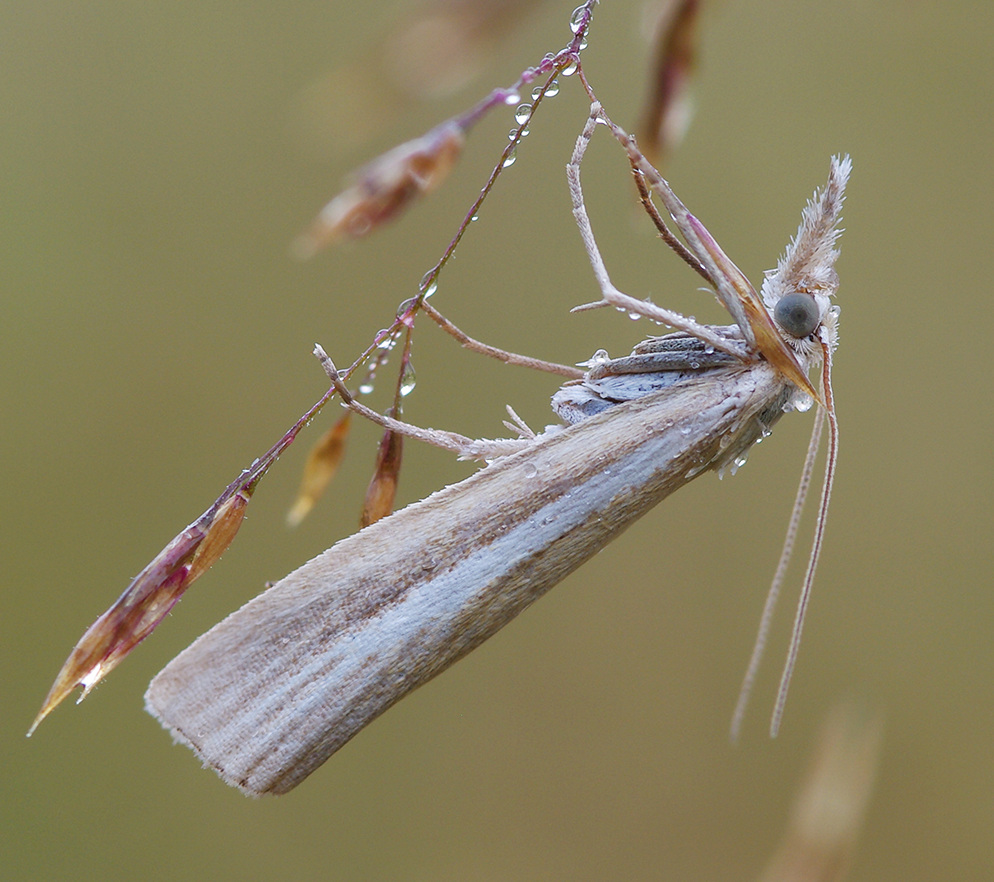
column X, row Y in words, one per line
column 797, row 314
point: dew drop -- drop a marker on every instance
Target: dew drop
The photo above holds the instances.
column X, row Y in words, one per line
column 510, row 158
column 404, row 306
column 569, row 70
column 802, row 402
column 598, row 358
column 408, row 381
column 366, row 386
column 522, row 113
column 576, row 20
column 511, row 98
column 428, row 284
column 553, row 89
column 531, row 470
column 634, row 316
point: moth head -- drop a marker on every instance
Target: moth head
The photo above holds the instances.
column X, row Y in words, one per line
column 798, row 291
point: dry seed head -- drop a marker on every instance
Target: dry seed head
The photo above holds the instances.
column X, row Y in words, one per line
column 146, row 601
column 438, row 48
column 126, row 623
column 383, row 487
column 384, row 188
column 220, row 533
column 322, row 463
column 669, row 107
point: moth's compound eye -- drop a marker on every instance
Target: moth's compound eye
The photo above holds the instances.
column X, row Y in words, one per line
column 797, row 314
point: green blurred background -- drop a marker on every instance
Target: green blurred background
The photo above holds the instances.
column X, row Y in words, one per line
column 157, row 160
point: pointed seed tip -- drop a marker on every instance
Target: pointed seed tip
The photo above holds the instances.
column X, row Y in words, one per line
column 295, row 516
column 54, row 698
column 303, row 247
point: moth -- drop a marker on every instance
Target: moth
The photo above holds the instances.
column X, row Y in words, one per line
column 272, row 691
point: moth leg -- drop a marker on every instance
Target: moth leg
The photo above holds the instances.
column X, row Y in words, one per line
column 731, row 286
column 563, row 370
column 611, row 296
column 681, row 250
column 673, row 353
column 463, row 446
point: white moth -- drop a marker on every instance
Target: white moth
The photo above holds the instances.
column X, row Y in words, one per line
column 267, row 695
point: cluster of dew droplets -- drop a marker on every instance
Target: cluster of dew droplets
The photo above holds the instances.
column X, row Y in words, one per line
column 764, row 432
column 733, row 466
column 739, row 461
column 522, row 113
column 578, row 21
column 408, row 378
column 384, row 348
column 512, row 99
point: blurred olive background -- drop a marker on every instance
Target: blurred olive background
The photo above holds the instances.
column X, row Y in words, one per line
column 156, row 162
